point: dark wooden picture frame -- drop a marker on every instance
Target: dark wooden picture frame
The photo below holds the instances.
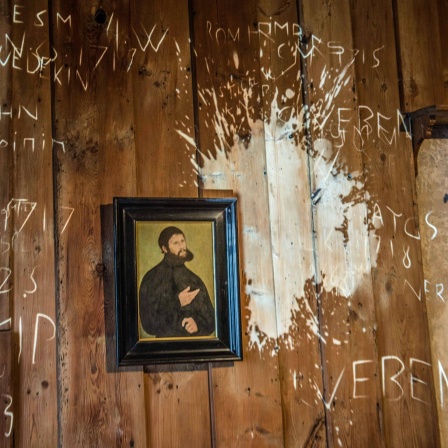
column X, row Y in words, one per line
column 212, row 223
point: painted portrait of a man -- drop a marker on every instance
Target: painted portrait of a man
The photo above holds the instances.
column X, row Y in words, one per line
column 174, row 300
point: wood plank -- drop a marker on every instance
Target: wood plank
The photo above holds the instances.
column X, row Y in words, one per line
column 29, row 215
column 408, row 406
column 247, row 397
column 442, row 8
column 6, row 138
column 346, row 314
column 94, row 162
column 432, row 188
column 291, row 224
column 163, row 89
column 6, row 305
column 177, row 401
column 420, row 53
column 6, row 391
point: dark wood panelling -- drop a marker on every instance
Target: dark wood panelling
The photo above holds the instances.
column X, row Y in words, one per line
column 442, row 8
column 402, row 336
column 94, row 120
column 420, row 53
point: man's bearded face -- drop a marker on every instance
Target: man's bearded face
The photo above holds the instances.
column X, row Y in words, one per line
column 177, row 245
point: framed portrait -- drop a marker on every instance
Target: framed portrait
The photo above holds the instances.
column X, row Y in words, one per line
column 177, row 280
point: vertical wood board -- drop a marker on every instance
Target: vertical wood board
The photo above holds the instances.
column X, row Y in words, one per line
column 177, row 401
column 290, row 221
column 30, row 227
column 94, row 163
column 247, row 402
column 420, row 53
column 408, row 405
column 346, row 314
column 432, row 189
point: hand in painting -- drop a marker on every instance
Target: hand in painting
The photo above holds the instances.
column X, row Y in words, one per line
column 190, row 325
column 186, row 296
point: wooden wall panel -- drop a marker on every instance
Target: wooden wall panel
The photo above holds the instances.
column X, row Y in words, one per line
column 177, row 401
column 6, row 295
column 346, row 307
column 420, row 53
column 247, row 402
column 6, row 171
column 293, row 107
column 6, row 393
column 442, row 8
column 29, row 221
column 287, row 175
column 432, row 183
column 99, row 406
column 408, row 406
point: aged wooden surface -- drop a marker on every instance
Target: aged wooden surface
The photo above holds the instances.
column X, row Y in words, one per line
column 420, row 53
column 6, row 171
column 442, row 8
column 295, row 107
column 397, row 270
column 346, row 308
column 177, row 402
column 247, row 401
column 287, row 168
column 432, row 183
column 98, row 407
column 6, row 301
column 6, row 392
column 28, row 217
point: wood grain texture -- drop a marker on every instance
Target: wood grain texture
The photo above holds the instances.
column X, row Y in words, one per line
column 93, row 106
column 30, row 222
column 294, row 107
column 6, row 391
column 432, row 188
column 420, row 53
column 163, row 100
column 6, row 169
column 290, row 208
column 6, row 306
column 247, row 400
column 346, row 307
column 177, row 402
column 402, row 332
column 442, row 8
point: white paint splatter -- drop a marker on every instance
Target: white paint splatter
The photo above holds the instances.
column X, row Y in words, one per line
column 276, row 285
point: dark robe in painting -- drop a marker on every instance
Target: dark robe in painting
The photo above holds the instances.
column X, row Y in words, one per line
column 161, row 314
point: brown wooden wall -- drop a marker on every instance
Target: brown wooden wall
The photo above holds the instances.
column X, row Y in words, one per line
column 295, row 107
